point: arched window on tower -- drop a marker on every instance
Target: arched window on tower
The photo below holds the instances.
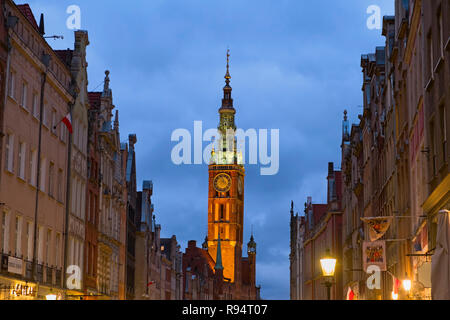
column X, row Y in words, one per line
column 221, row 212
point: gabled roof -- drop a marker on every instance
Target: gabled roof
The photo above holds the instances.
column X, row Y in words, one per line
column 318, row 211
column 26, row 11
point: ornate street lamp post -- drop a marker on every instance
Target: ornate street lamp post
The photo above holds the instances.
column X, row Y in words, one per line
column 328, row 264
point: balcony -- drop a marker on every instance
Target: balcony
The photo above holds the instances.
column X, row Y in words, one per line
column 40, row 273
column 49, row 276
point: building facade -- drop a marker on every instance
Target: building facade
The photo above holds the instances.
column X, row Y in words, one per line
column 128, row 152
column 33, row 159
column 296, row 256
column 323, row 231
column 76, row 211
column 112, row 201
column 395, row 160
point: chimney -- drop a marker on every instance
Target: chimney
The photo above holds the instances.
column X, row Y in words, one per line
column 330, row 168
column 192, row 244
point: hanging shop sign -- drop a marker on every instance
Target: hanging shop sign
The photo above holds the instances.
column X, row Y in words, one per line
column 374, row 254
column 377, row 226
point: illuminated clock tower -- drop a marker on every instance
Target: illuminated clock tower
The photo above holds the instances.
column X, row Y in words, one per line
column 226, row 191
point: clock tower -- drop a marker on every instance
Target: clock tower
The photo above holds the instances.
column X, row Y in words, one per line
column 226, row 192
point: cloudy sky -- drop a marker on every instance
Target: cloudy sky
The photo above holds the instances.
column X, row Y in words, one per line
column 295, row 66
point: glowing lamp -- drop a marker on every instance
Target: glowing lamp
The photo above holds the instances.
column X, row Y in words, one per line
column 407, row 285
column 328, row 265
column 394, row 296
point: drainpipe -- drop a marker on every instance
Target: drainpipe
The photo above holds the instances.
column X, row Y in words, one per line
column 46, row 61
column 68, row 185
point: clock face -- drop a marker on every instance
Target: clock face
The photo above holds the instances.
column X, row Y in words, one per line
column 240, row 186
column 222, row 182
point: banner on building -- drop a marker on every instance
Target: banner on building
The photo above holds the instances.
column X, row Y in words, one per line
column 377, row 226
column 374, row 254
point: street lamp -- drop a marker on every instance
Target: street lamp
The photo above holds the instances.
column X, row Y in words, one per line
column 328, row 264
column 407, row 285
column 51, row 295
column 394, row 295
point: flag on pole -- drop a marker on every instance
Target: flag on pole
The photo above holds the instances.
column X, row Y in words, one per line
column 396, row 285
column 350, row 294
column 67, row 120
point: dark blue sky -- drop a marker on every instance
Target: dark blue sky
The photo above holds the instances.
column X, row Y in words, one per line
column 295, row 66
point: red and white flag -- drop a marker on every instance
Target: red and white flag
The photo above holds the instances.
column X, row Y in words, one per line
column 350, row 294
column 67, row 120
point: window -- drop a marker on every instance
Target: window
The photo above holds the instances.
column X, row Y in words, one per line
column 33, row 167
column 44, row 116
column 71, row 251
column 12, row 81
column 433, row 148
column 74, row 194
column 23, row 102
column 57, row 249
column 35, row 105
column 51, row 170
column 9, row 153
column 42, row 175
column 29, row 241
column 59, row 186
column 53, row 128
column 48, row 246
column 5, row 233
column 443, row 125
column 22, row 150
column 62, row 135
column 430, row 56
column 440, row 33
column 40, row 237
column 18, row 235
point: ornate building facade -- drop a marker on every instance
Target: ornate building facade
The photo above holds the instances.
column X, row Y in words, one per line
column 297, row 254
column 112, row 201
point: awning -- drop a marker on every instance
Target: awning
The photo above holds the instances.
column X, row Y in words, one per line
column 440, row 261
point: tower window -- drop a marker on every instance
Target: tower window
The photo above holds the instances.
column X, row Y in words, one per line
column 221, row 212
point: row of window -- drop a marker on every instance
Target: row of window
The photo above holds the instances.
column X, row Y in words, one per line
column 49, row 116
column 78, row 197
column 48, row 248
column 27, row 171
column 76, row 253
column 32, row 41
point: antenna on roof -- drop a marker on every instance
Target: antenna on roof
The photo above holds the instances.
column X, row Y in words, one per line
column 55, row 37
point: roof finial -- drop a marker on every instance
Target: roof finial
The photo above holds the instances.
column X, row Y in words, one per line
column 345, row 115
column 227, row 75
column 106, row 82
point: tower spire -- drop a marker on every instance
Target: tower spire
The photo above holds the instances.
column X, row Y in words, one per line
column 227, row 75
column 218, row 265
